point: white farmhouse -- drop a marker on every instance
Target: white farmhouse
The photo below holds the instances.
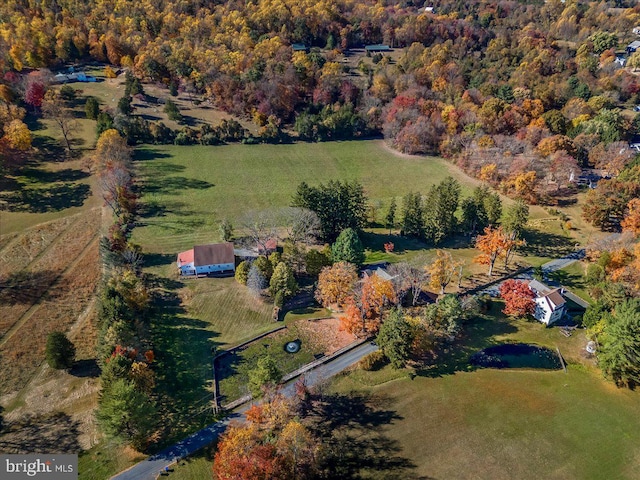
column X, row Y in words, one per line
column 203, row 259
column 550, row 305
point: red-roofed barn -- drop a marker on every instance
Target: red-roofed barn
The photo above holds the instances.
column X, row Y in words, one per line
column 203, row 259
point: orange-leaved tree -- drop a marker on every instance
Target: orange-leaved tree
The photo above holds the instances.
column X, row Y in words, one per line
column 352, row 320
column 491, row 245
column 376, row 294
column 335, row 284
column 631, row 220
column 518, row 298
column 272, row 444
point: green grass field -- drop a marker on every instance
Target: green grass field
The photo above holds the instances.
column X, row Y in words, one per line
column 189, row 190
column 504, row 424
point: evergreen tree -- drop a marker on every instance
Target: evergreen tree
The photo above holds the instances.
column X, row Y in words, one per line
column 124, row 106
column 390, row 219
column 172, row 111
column 265, row 374
column 59, row 352
column 442, row 201
column 242, row 272
column 104, row 123
column 395, row 338
column 348, row 248
column 283, row 281
column 338, row 205
column 92, row 108
column 515, row 219
column 619, row 356
column 126, row 414
column 412, row 218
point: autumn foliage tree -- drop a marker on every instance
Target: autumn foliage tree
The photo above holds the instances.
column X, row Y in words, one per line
column 491, row 245
column 335, row 284
column 272, row 444
column 376, row 294
column 34, row 93
column 518, row 298
column 631, row 220
column 442, row 270
column 363, row 309
column 18, row 135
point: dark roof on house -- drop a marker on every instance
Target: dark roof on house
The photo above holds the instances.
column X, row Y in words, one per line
column 213, row 254
column 377, row 48
column 556, row 298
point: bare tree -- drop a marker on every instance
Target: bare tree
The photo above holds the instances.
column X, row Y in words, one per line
column 256, row 281
column 54, row 108
column 112, row 182
column 261, row 226
column 301, row 224
column 407, row 280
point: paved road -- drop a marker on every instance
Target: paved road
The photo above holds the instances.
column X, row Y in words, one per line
column 552, row 266
column 560, row 263
column 150, row 468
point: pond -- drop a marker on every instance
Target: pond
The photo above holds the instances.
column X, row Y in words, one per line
column 516, row 355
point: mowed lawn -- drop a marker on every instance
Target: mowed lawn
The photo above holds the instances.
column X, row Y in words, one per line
column 506, row 424
column 453, row 422
column 189, row 190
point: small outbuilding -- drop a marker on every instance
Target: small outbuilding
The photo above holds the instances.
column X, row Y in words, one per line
column 633, row 46
column 377, row 48
column 204, row 259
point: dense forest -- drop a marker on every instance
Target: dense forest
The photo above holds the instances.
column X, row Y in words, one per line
column 518, row 93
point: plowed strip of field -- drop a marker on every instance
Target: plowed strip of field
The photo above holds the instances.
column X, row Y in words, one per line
column 26, row 287
column 24, row 350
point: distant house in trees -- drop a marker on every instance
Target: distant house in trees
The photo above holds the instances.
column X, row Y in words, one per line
column 204, row 259
column 73, row 76
column 268, row 248
column 377, row 48
column 633, row 46
column 429, row 9
column 550, row 305
column 636, row 30
column 251, row 252
column 299, row 47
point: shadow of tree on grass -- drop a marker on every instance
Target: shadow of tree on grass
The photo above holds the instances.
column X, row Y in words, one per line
column 183, row 362
column 50, row 198
column 56, row 432
column 479, row 333
column 351, row 428
column 544, row 244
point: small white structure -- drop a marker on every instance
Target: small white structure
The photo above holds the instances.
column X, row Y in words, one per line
column 203, row 259
column 550, row 305
column 428, row 9
column 636, row 30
